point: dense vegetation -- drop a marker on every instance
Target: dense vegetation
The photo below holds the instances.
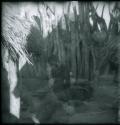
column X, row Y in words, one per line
column 67, row 61
column 81, row 47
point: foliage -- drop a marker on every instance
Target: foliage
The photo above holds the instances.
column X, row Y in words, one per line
column 14, row 30
column 80, row 46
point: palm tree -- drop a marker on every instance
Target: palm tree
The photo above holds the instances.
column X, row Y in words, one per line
column 14, row 32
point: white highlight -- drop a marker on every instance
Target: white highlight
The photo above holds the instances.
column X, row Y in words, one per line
column 99, row 27
column 12, row 77
column 14, row 105
column 22, row 62
column 91, row 21
column 34, row 118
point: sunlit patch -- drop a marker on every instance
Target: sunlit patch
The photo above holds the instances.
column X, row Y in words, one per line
column 91, row 21
column 99, row 27
column 14, row 105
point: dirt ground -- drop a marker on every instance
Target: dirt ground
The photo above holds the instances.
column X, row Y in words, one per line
column 101, row 108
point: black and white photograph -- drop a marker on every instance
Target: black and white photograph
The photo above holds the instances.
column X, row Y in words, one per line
column 60, row 62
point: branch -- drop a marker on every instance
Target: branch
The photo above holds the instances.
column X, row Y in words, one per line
column 96, row 6
column 109, row 9
column 49, row 8
column 103, row 10
column 69, row 7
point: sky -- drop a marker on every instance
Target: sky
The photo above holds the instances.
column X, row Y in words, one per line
column 31, row 9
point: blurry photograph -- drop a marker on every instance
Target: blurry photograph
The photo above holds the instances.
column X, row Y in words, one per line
column 60, row 62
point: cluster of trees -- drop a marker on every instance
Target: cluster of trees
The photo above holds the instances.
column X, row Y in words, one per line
column 78, row 46
column 83, row 47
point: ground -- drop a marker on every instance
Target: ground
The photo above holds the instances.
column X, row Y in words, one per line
column 101, row 108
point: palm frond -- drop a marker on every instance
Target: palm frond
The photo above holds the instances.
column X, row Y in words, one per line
column 15, row 30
